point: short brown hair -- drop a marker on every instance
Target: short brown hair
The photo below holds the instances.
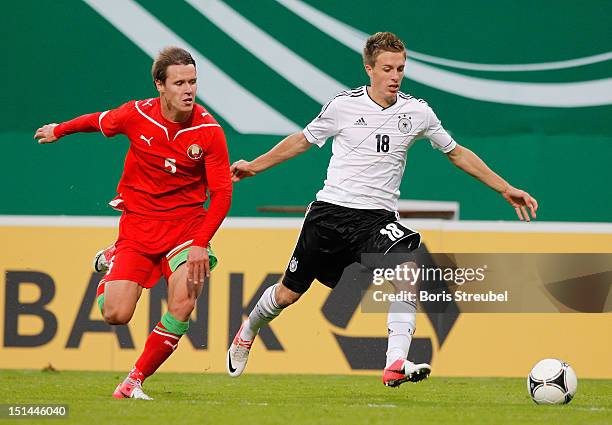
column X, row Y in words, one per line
column 169, row 56
column 381, row 42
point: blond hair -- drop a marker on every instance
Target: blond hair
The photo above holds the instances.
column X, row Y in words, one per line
column 381, row 42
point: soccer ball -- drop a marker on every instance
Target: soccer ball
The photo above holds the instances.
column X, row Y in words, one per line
column 552, row 381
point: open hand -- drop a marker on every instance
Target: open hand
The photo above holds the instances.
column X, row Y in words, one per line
column 521, row 201
column 45, row 134
column 198, row 265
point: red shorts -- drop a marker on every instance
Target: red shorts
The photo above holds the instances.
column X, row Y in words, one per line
column 147, row 248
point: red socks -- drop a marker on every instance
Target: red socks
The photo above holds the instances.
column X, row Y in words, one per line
column 160, row 344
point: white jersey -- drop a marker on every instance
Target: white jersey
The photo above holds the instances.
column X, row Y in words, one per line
column 370, row 145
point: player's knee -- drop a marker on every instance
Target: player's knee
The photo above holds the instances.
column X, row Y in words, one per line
column 284, row 296
column 116, row 316
column 403, row 285
column 407, row 282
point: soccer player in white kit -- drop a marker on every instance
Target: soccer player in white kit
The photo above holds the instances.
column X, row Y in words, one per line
column 356, row 211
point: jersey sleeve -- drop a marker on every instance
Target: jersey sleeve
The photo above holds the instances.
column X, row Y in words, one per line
column 216, row 162
column 87, row 123
column 108, row 123
column 436, row 134
column 324, row 125
column 112, row 122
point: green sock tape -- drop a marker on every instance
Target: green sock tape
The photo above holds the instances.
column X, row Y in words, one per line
column 173, row 325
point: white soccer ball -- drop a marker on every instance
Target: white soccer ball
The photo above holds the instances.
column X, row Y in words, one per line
column 552, row 381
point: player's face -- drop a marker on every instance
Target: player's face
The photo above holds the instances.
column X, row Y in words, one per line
column 179, row 90
column 386, row 75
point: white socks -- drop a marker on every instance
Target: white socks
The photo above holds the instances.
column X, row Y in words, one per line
column 265, row 310
column 401, row 322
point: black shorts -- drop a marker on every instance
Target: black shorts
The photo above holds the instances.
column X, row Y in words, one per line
column 334, row 237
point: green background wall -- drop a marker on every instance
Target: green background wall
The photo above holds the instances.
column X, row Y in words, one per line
column 63, row 59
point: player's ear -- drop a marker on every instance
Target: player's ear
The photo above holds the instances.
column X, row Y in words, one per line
column 159, row 85
column 368, row 70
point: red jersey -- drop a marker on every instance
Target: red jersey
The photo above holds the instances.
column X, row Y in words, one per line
column 169, row 166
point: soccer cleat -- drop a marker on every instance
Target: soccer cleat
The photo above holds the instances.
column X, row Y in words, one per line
column 402, row 371
column 130, row 388
column 103, row 258
column 238, row 355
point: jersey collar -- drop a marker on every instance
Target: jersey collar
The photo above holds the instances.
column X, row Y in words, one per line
column 196, row 118
column 378, row 104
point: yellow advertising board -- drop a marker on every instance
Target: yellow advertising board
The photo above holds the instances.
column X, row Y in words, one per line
column 49, row 316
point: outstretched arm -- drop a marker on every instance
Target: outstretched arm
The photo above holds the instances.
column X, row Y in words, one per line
column 109, row 123
column 50, row 133
column 469, row 162
column 289, row 147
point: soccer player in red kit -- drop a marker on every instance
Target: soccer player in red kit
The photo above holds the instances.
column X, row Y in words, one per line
column 177, row 152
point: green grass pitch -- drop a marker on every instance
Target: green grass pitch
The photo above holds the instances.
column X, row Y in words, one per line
column 189, row 398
